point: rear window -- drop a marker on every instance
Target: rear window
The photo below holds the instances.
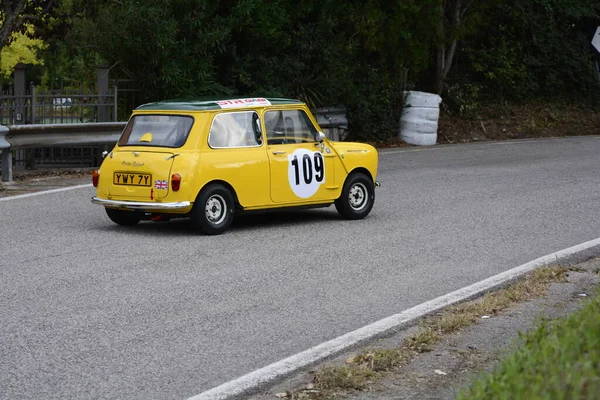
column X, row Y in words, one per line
column 157, row 131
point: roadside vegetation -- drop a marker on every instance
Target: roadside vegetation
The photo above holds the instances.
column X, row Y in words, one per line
column 557, row 360
column 367, row 367
column 479, row 55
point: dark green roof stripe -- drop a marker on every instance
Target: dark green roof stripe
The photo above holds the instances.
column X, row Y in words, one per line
column 205, row 103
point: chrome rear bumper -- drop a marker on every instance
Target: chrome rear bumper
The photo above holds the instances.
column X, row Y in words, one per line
column 141, row 205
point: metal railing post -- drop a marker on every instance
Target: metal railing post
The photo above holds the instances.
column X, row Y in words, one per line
column 33, row 101
column 115, row 104
column 7, row 171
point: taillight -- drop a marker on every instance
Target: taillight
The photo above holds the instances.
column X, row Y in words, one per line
column 175, row 182
column 95, row 177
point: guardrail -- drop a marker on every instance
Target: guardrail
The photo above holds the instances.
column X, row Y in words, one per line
column 333, row 121
column 16, row 137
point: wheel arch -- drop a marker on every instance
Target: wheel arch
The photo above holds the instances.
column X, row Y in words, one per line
column 362, row 170
column 356, row 170
column 227, row 185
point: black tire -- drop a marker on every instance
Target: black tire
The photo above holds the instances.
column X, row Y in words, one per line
column 357, row 198
column 213, row 210
column 125, row 218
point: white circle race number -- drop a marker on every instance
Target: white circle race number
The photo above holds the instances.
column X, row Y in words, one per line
column 306, row 172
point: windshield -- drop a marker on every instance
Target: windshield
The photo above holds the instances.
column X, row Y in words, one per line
column 157, row 131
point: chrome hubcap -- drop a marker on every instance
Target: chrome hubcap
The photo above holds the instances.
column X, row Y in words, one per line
column 215, row 209
column 358, row 196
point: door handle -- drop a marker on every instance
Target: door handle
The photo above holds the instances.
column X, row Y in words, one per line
column 277, row 153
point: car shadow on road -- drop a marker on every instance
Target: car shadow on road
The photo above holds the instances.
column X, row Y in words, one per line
column 278, row 218
column 241, row 223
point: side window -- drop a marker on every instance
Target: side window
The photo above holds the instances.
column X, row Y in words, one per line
column 289, row 126
column 235, row 129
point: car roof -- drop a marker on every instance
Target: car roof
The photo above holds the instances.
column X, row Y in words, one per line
column 215, row 103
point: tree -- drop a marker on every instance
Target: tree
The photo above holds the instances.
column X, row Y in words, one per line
column 15, row 15
column 533, row 48
column 167, row 47
column 324, row 52
column 22, row 49
column 453, row 25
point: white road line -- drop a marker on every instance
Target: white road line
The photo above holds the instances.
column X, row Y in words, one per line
column 22, row 196
column 254, row 380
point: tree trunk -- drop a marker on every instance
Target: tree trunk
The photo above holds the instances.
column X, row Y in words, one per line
column 11, row 19
column 445, row 56
column 16, row 13
column 436, row 86
column 456, row 21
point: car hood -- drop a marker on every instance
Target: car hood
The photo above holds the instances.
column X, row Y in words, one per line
column 353, row 147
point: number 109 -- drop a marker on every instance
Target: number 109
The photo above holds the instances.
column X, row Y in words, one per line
column 311, row 168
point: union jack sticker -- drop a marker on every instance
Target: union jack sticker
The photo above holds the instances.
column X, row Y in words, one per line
column 160, row 184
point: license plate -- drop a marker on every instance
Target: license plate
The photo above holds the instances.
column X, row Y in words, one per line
column 132, row 179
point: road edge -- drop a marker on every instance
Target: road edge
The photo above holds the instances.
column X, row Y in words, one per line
column 253, row 381
column 42, row 192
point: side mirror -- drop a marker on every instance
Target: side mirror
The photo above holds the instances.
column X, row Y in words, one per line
column 104, row 153
column 320, row 137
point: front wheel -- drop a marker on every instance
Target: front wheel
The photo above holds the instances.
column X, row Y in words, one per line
column 213, row 209
column 120, row 217
column 358, row 197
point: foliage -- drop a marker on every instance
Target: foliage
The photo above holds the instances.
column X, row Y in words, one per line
column 462, row 99
column 168, row 46
column 19, row 15
column 323, row 52
column 529, row 48
column 358, row 53
column 557, row 360
column 23, row 48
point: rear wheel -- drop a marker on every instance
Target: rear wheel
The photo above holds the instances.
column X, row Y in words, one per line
column 358, row 197
column 213, row 209
column 125, row 218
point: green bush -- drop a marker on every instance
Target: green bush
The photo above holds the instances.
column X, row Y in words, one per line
column 557, row 360
column 525, row 49
column 462, row 99
column 328, row 52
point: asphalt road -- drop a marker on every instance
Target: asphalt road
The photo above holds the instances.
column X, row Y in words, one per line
column 89, row 309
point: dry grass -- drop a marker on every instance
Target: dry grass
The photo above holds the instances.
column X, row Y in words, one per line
column 518, row 121
column 366, row 367
column 344, row 377
column 25, row 175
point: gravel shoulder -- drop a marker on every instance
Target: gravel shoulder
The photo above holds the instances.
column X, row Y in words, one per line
column 458, row 358
column 32, row 181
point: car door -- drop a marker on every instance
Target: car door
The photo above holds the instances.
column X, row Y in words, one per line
column 301, row 168
column 237, row 156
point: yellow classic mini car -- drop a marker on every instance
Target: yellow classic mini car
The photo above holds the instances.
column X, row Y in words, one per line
column 208, row 159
